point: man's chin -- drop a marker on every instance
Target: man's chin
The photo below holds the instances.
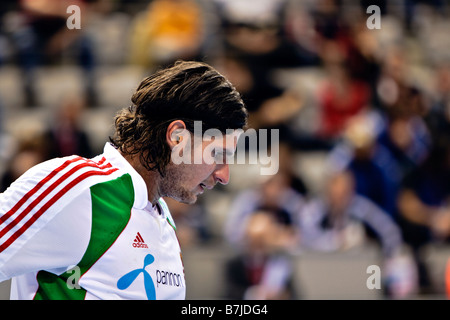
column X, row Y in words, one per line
column 191, row 199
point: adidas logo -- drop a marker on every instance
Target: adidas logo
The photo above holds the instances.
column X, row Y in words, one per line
column 139, row 242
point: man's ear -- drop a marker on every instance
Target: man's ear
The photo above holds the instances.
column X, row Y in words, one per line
column 175, row 132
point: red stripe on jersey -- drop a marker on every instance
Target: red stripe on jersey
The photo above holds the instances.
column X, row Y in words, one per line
column 39, row 185
column 49, row 203
column 88, row 163
column 36, row 188
column 44, row 193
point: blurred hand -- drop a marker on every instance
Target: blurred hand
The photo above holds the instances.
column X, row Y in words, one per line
column 440, row 223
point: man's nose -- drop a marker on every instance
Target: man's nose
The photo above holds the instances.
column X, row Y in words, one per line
column 222, row 174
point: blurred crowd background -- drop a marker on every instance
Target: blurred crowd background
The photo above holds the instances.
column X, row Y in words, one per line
column 363, row 117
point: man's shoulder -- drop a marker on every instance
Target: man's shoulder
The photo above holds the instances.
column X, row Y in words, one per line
column 65, row 169
column 58, row 177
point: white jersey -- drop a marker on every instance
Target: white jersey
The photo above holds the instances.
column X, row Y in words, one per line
column 76, row 228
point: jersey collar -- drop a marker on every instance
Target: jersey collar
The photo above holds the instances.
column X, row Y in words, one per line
column 117, row 160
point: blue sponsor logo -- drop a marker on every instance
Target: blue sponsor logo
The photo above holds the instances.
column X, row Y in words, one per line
column 125, row 281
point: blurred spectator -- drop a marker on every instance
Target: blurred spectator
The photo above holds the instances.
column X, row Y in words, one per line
column 29, row 152
column 338, row 219
column 407, row 140
column 329, row 24
column 6, row 7
column 300, row 30
column 255, row 45
column 372, row 166
column 410, row 11
column 270, row 106
column 20, row 162
column 274, row 194
column 287, row 167
column 256, row 31
column 41, row 37
column 255, row 90
column 191, row 222
column 283, row 194
column 340, row 98
column 346, row 55
column 168, row 30
column 405, row 135
column 65, row 136
column 424, row 207
column 261, row 270
column 397, row 93
column 437, row 115
column 109, row 25
column 364, row 56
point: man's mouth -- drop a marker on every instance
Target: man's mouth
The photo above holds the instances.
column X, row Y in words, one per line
column 203, row 187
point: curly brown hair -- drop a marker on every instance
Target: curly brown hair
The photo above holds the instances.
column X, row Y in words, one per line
column 187, row 90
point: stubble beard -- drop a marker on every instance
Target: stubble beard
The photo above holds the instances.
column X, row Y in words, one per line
column 170, row 186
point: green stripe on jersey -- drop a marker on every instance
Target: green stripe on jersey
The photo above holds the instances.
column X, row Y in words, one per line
column 111, row 210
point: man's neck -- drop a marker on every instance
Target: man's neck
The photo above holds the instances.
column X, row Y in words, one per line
column 151, row 178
